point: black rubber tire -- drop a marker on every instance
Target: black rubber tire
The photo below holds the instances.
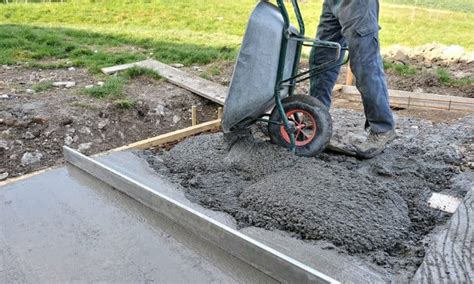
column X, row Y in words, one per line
column 317, row 110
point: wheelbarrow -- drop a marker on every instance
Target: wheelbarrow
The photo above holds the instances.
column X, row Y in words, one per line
column 265, row 78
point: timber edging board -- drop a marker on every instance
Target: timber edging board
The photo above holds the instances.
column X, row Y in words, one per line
column 421, row 100
column 204, row 88
column 256, row 254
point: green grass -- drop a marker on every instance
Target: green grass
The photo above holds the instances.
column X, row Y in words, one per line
column 400, row 69
column 455, row 5
column 42, row 86
column 138, row 71
column 446, row 79
column 96, row 34
column 113, row 87
column 125, row 103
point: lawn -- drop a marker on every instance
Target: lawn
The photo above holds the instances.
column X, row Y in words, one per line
column 100, row 33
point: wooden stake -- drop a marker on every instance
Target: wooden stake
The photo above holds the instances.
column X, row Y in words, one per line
column 349, row 76
column 219, row 113
column 193, row 115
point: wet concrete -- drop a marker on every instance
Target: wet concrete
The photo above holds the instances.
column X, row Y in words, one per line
column 375, row 209
column 321, row 256
column 64, row 226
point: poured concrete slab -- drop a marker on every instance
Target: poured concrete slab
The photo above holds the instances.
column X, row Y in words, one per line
column 343, row 268
column 63, row 226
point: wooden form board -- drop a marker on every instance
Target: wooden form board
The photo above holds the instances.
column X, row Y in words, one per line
column 202, row 87
column 422, row 100
column 171, row 136
column 449, row 258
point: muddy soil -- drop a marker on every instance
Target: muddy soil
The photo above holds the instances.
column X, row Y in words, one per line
column 35, row 125
column 376, row 209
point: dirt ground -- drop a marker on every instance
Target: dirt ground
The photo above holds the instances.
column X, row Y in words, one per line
column 35, row 125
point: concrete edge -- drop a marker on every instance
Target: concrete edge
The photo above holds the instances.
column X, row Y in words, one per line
column 268, row 260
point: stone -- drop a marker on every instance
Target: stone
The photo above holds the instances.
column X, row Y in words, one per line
column 28, row 135
column 71, row 69
column 160, row 110
column 452, row 53
column 67, row 84
column 5, row 97
column 3, row 146
column 84, row 147
column 68, row 140
column 177, row 65
column 89, row 86
column 29, row 158
column 3, row 176
column 102, row 124
column 176, row 119
column 85, row 130
column 100, row 83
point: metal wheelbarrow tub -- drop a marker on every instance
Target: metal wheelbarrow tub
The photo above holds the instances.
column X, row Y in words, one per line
column 252, row 89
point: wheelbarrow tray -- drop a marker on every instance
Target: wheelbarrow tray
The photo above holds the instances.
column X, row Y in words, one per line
column 252, row 89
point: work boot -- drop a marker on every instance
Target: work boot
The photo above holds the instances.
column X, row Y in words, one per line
column 375, row 144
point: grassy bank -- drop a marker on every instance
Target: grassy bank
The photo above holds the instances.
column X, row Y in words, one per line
column 99, row 33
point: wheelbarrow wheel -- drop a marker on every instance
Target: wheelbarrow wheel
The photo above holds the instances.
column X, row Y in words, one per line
column 310, row 120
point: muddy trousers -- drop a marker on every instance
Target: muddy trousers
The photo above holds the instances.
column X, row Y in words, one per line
column 354, row 23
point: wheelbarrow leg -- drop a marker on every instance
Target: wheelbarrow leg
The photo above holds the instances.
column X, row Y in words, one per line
column 286, row 123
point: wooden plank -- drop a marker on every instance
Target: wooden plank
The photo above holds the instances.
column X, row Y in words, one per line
column 118, row 68
column 171, row 136
column 268, row 260
column 202, row 87
column 411, row 99
column 449, row 257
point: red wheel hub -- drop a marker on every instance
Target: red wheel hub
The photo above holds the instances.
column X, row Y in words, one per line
column 305, row 125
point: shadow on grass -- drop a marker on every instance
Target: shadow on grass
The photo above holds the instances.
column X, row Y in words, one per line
column 64, row 47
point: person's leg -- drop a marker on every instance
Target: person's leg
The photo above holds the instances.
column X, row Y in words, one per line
column 359, row 21
column 329, row 29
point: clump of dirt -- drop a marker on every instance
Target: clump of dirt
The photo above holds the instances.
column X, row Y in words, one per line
column 376, row 209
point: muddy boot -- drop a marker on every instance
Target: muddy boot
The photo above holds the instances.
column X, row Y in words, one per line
column 375, row 144
column 231, row 137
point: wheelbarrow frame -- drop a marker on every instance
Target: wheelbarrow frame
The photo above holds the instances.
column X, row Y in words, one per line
column 297, row 77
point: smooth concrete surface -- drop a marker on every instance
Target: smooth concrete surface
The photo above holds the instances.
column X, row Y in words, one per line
column 341, row 267
column 65, row 226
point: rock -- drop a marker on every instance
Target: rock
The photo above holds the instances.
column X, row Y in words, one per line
column 5, row 97
column 452, row 53
column 13, row 157
column 89, row 86
column 67, row 84
column 71, row 69
column 28, row 135
column 160, row 110
column 84, row 147
column 100, row 83
column 3, row 146
column 102, row 124
column 75, row 138
column 29, row 158
column 68, row 140
column 29, row 91
column 85, row 130
column 3, row 176
column 70, row 129
column 176, row 119
column 177, row 65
